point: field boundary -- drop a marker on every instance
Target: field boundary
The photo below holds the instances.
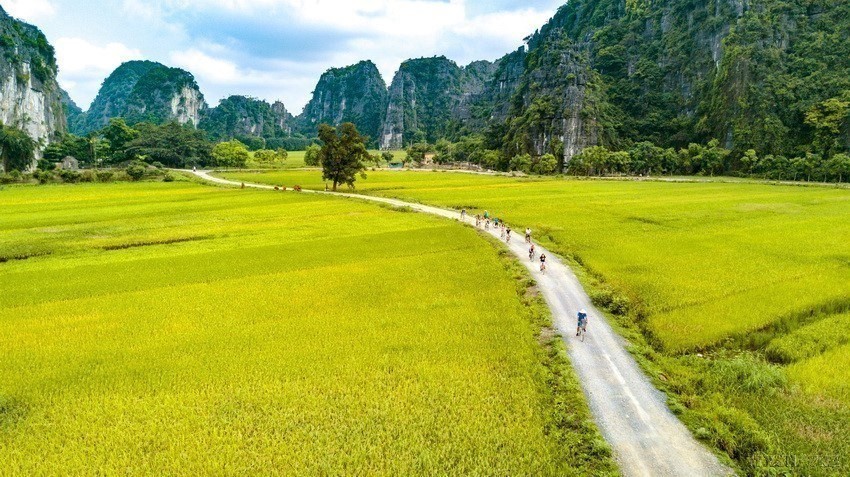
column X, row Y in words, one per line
column 647, row 439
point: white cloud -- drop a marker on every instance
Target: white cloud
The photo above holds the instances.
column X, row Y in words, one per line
column 293, row 43
column 84, row 65
column 29, row 10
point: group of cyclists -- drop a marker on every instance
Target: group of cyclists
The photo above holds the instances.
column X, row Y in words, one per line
column 505, row 234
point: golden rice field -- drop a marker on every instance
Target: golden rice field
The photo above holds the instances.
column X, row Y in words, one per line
column 180, row 329
column 717, row 267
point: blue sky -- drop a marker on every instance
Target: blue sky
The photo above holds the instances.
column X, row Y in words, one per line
column 271, row 49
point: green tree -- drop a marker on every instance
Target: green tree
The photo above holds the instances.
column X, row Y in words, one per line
column 620, row 162
column 545, row 164
column 171, row 144
column 268, row 156
column 343, row 154
column 312, row 156
column 118, row 134
column 45, row 165
column 417, row 151
column 829, row 119
column 521, row 163
column 387, row 157
column 230, row 154
column 646, row 158
column 492, row 159
column 17, row 149
column 714, row 159
column 593, row 160
column 444, row 150
column 839, row 167
column 749, row 161
column 469, row 149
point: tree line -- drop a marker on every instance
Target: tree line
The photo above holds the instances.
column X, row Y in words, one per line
column 169, row 144
column 830, row 164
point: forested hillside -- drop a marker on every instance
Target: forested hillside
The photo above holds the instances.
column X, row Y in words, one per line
column 767, row 75
column 253, row 122
column 144, row 91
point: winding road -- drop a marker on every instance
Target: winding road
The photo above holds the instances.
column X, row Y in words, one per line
column 646, row 438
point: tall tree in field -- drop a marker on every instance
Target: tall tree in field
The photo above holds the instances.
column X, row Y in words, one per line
column 343, row 154
column 17, row 149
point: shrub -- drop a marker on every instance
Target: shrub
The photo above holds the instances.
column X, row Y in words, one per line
column 104, row 176
column 168, row 177
column 136, row 170
column 71, row 177
column 43, row 177
column 158, row 165
column 87, row 176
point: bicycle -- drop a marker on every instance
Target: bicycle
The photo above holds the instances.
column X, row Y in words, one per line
column 582, row 331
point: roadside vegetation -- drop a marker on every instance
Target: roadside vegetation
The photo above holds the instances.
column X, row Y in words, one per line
column 173, row 328
column 724, row 286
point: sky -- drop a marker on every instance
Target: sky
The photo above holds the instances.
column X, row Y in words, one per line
column 271, row 49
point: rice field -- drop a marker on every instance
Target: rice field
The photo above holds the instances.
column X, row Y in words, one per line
column 180, row 329
column 712, row 267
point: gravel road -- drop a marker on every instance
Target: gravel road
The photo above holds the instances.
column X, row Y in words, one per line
column 647, row 439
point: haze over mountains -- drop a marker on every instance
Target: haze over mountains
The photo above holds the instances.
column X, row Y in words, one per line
column 608, row 72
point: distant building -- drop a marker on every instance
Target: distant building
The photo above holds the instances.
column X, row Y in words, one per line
column 70, row 164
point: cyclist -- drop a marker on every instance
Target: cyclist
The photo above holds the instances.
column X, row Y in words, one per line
column 582, row 322
column 531, row 253
column 527, row 235
column 462, row 215
column 477, row 220
column 487, row 224
column 543, row 262
column 507, row 234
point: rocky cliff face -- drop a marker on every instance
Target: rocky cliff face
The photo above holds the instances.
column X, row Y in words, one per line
column 240, row 116
column 356, row 93
column 165, row 94
column 144, row 91
column 431, row 98
column 30, row 97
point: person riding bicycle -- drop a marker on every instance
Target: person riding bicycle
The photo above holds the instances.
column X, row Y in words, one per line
column 582, row 322
column 528, row 235
column 542, row 262
column 531, row 252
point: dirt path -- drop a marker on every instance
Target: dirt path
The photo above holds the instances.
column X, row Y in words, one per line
column 647, row 439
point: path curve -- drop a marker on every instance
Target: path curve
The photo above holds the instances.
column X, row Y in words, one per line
column 647, row 439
